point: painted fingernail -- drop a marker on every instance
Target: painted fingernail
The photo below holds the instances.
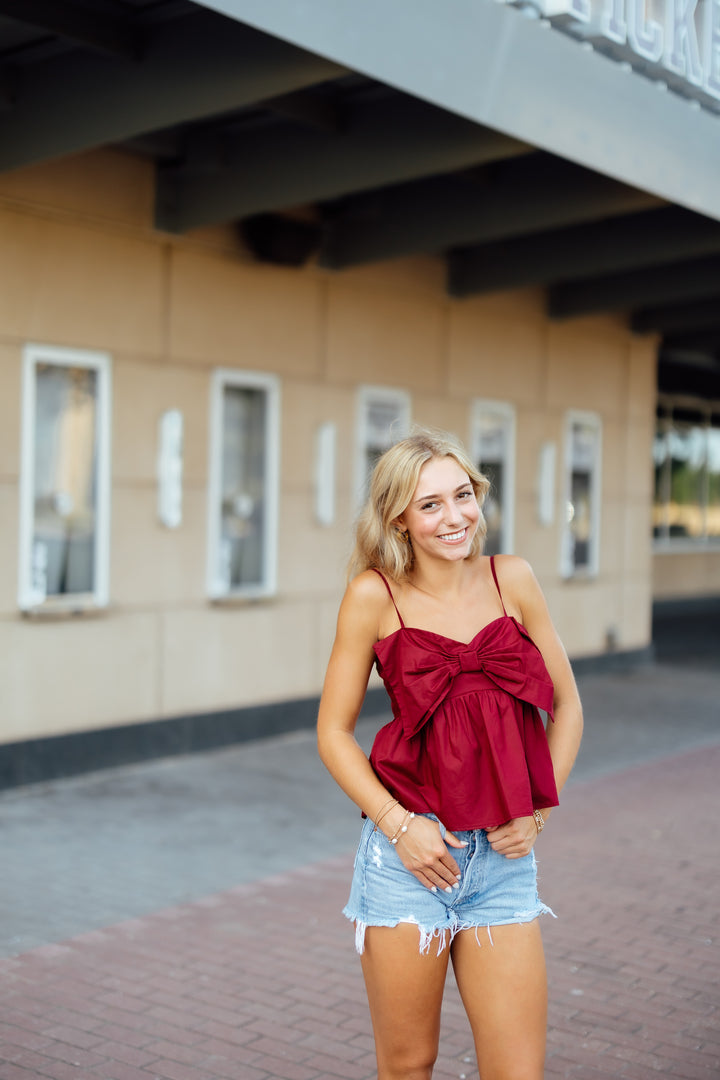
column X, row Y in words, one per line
column 456, row 885
column 458, row 876
column 448, row 888
column 433, row 888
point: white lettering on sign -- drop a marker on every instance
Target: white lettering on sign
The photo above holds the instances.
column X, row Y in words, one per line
column 711, row 60
column 675, row 40
column 682, row 49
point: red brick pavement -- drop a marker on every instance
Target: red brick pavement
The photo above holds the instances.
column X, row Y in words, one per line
column 261, row 982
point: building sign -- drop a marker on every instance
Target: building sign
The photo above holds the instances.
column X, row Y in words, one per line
column 674, row 41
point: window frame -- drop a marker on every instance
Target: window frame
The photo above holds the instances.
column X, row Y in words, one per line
column 568, row 570
column 270, row 384
column 100, row 362
column 366, row 395
column 507, row 412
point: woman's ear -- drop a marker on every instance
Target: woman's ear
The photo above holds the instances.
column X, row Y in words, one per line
column 399, row 526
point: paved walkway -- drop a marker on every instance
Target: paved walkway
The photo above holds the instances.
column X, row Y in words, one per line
column 176, row 920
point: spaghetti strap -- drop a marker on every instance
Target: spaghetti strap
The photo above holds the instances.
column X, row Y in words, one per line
column 497, row 583
column 385, row 582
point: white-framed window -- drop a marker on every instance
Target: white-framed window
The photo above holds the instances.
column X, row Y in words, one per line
column 64, row 480
column 244, row 482
column 580, row 547
column 686, row 457
column 492, row 439
column 383, row 417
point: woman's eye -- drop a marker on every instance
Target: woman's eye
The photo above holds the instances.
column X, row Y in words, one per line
column 428, row 506
column 464, row 494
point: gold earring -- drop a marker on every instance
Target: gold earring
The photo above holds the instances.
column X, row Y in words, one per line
column 403, row 534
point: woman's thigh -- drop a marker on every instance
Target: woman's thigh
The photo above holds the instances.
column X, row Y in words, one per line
column 405, row 991
column 503, row 984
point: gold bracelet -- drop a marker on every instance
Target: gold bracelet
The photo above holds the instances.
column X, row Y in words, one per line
column 384, row 811
column 539, row 821
column 409, row 815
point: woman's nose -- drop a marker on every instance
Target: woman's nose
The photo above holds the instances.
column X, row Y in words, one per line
column 452, row 513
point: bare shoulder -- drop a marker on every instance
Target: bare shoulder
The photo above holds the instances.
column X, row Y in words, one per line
column 367, row 588
column 514, row 571
column 365, row 599
column 518, row 585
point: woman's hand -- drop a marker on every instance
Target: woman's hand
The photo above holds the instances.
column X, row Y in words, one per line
column 515, row 838
column 423, row 852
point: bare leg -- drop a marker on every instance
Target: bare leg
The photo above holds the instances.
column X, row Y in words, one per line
column 504, row 990
column 405, row 993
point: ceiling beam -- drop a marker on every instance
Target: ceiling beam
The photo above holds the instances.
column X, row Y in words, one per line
column 689, row 374
column 667, row 284
column 81, row 25
column 624, row 243
column 312, row 110
column 380, row 143
column 192, row 68
column 668, row 318
column 163, row 144
column 162, row 12
column 696, row 341
column 509, row 199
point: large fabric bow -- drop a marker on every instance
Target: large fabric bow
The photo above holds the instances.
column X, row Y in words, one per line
column 430, row 671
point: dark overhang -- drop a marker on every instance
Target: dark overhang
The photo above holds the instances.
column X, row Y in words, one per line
column 358, row 133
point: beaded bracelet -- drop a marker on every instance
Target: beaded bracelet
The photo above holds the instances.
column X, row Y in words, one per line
column 539, row 820
column 403, row 828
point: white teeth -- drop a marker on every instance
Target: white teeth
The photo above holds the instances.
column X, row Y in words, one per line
column 452, row 536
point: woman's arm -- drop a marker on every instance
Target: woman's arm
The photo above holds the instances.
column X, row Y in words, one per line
column 522, row 593
column 346, row 681
column 421, row 848
column 565, row 733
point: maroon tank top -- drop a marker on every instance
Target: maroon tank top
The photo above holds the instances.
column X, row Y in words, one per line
column 466, row 741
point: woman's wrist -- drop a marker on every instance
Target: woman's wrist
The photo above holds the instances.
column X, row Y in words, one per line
column 392, row 821
column 402, row 827
column 383, row 811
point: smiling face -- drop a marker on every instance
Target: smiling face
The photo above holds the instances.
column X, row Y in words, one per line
column 443, row 515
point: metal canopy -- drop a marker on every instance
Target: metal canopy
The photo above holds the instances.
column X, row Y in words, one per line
column 355, row 133
column 493, row 65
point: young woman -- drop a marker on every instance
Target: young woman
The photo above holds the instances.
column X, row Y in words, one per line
column 463, row 778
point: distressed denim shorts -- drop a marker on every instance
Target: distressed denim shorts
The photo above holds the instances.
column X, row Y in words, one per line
column 493, row 890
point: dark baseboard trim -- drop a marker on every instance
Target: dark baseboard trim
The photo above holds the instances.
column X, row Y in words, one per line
column 687, row 629
column 36, row 761
column 685, row 606
column 622, row 660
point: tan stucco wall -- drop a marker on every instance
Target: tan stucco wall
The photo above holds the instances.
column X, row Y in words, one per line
column 81, row 266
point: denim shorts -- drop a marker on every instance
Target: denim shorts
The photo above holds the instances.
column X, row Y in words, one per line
column 493, row 890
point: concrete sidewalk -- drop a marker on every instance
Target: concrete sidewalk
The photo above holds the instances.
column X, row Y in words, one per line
column 181, row 920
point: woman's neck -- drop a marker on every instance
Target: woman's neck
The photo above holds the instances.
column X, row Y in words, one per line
column 441, row 579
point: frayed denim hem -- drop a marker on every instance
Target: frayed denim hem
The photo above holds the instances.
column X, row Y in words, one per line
column 446, row 933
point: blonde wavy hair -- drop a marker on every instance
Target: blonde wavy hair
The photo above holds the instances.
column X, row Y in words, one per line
column 378, row 542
